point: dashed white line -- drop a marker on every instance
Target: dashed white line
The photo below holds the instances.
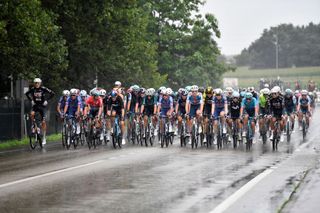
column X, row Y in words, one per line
column 238, row 194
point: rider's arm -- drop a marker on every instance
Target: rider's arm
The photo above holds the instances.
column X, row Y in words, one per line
column 48, row 91
column 143, row 103
column 201, row 104
column 29, row 94
column 177, row 107
column 226, row 107
column 171, row 105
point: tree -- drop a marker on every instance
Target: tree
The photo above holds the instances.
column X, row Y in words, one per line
column 30, row 43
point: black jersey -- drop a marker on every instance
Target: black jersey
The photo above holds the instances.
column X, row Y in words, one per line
column 39, row 95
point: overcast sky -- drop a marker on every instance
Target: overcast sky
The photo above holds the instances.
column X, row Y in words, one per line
column 243, row 21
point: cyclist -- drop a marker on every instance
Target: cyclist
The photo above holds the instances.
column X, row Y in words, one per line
column 254, row 93
column 62, row 102
column 263, row 107
column 207, row 97
column 181, row 107
column 234, row 111
column 165, row 106
column 290, row 106
column 94, row 107
column 194, row 107
column 276, row 107
column 149, row 108
column 115, row 107
column 312, row 101
column 249, row 109
column 39, row 97
column 304, row 107
column 219, row 109
column 72, row 108
column 83, row 96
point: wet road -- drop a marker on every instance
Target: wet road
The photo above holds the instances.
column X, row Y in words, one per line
column 151, row 179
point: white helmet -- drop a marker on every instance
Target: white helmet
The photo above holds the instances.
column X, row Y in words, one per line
column 250, row 89
column 65, row 92
column 169, row 91
column 37, row 80
column 274, row 90
column 73, row 92
column 103, row 92
column 265, row 91
column 218, row 91
column 277, row 88
column 117, row 83
column 194, row 88
column 83, row 93
column 229, row 90
column 149, row 92
column 152, row 90
column 304, row 92
column 266, row 86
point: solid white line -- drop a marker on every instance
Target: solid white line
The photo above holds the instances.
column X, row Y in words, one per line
column 238, row 194
column 49, row 173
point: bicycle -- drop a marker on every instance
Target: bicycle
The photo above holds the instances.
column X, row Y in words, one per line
column 250, row 134
column 183, row 133
column 166, row 135
column 221, row 137
column 209, row 133
column 195, row 135
column 235, row 133
column 304, row 126
column 83, row 130
column 288, row 128
column 264, row 129
column 71, row 136
column 116, row 135
column 35, row 132
column 149, row 132
column 93, row 138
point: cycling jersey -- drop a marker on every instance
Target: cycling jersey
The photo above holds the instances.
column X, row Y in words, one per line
column 166, row 105
column 235, row 109
column 304, row 104
column 207, row 105
column 133, row 98
column 39, row 95
column 62, row 101
column 289, row 104
column 276, row 106
column 218, row 106
column 149, row 102
column 182, row 106
column 249, row 106
column 115, row 105
column 195, row 102
column 72, row 105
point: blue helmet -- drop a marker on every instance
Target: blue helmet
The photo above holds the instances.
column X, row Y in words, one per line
column 114, row 94
column 249, row 95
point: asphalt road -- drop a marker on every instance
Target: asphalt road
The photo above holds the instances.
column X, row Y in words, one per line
column 152, row 179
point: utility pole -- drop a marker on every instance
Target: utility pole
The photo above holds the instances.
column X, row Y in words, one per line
column 277, row 51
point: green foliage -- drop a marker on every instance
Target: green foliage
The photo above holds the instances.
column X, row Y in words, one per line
column 30, row 44
column 297, row 46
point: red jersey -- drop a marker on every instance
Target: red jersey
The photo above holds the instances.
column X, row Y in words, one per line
column 94, row 103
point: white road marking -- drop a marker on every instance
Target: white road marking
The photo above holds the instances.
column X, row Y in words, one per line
column 238, row 194
column 49, row 173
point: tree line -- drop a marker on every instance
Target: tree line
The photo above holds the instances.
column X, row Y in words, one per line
column 68, row 42
column 298, row 46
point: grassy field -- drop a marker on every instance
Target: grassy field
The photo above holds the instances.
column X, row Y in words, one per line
column 11, row 144
column 250, row 77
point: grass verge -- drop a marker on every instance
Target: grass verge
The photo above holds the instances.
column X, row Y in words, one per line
column 11, row 144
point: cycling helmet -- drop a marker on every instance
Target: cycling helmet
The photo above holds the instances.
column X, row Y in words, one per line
column 180, row 90
column 95, row 92
column 142, row 90
column 153, row 90
column 161, row 88
column 83, row 93
column 184, row 92
column 194, row 88
column 135, row 88
column 113, row 94
column 250, row 89
column 65, row 92
column 288, row 92
column 249, row 95
column 304, row 92
column 235, row 94
column 169, row 91
column 117, row 83
column 310, row 94
column 229, row 90
column 103, row 92
column 218, row 91
column 277, row 88
column 188, row 88
column 265, row 91
column 73, row 92
column 37, row 80
column 266, row 86
column 149, row 92
column 297, row 92
column 274, row 90
column 242, row 94
column 209, row 90
column 201, row 89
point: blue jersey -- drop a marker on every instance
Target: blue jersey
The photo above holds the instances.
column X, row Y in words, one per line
column 249, row 105
column 73, row 104
column 219, row 103
column 62, row 103
column 304, row 103
column 195, row 100
column 166, row 104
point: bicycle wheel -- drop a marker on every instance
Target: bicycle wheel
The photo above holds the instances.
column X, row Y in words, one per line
column 274, row 141
column 146, row 135
column 162, row 141
column 304, row 130
column 288, row 131
column 68, row 136
column 33, row 138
